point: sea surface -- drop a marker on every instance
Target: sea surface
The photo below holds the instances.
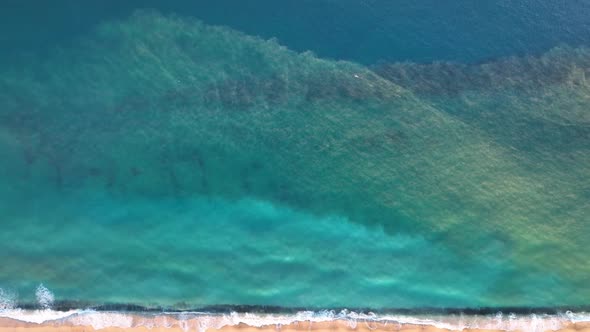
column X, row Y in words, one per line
column 295, row 155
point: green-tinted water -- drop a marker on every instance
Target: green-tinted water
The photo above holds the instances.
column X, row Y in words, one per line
column 164, row 161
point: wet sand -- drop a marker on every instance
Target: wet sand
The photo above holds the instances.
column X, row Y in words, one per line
column 11, row 325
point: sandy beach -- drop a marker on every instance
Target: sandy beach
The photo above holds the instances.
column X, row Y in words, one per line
column 12, row 325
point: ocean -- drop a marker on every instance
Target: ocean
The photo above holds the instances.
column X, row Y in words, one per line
column 288, row 157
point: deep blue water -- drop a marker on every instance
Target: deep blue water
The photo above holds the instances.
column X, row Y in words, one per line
column 364, row 31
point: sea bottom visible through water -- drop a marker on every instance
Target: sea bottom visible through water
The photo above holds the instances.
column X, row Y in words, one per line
column 205, row 251
column 165, row 163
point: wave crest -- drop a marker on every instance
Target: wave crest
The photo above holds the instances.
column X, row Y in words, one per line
column 44, row 296
column 7, row 300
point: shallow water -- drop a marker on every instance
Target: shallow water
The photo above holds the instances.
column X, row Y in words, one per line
column 163, row 161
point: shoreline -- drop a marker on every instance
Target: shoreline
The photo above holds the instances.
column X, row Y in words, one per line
column 11, row 325
column 218, row 309
column 19, row 320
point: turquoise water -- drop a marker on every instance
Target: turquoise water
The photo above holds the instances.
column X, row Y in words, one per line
column 161, row 160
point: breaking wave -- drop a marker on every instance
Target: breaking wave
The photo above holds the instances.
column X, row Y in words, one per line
column 44, row 296
column 7, row 300
column 201, row 321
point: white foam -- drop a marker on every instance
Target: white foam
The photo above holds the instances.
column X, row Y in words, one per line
column 7, row 300
column 101, row 320
column 45, row 298
column 36, row 316
column 197, row 321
